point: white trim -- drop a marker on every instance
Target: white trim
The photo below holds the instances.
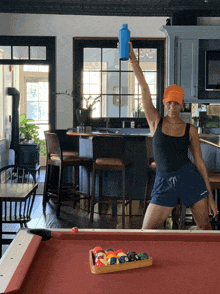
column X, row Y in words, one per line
column 11, row 259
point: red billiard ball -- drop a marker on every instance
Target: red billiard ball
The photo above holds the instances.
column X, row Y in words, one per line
column 75, row 230
column 99, row 263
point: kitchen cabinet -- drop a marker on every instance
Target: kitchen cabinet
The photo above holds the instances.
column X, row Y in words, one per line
column 186, row 67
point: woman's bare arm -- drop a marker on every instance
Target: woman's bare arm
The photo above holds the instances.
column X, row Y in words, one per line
column 199, row 162
column 151, row 112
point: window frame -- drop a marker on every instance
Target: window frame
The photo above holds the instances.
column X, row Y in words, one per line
column 80, row 43
column 49, row 43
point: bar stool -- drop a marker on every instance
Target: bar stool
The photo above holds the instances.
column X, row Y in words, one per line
column 214, row 180
column 56, row 157
column 109, row 155
column 151, row 172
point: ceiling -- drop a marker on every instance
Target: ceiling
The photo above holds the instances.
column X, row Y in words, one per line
column 196, row 8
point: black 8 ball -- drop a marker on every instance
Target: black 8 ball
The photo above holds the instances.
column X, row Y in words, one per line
column 132, row 256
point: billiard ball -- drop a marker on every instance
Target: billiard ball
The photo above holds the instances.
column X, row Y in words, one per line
column 99, row 263
column 110, row 253
column 109, row 249
column 75, row 230
column 122, row 257
column 101, row 256
column 143, row 256
column 112, row 258
column 97, row 250
column 132, row 256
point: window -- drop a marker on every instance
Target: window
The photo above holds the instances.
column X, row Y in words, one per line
column 28, row 64
column 104, row 75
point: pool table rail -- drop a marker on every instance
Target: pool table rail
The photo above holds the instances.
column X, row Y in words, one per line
column 21, row 252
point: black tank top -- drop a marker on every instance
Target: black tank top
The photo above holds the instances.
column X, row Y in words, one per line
column 170, row 153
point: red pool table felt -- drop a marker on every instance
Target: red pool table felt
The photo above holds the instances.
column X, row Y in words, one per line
column 182, row 263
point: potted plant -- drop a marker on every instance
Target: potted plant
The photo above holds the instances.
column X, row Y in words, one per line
column 29, row 132
column 138, row 112
column 83, row 113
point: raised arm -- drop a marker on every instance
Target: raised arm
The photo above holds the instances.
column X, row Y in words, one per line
column 151, row 113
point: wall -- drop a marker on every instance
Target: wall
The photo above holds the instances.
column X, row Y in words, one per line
column 64, row 28
column 208, row 21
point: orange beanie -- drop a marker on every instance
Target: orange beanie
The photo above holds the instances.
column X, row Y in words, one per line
column 173, row 93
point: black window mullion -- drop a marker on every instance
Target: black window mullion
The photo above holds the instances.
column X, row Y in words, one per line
column 110, row 43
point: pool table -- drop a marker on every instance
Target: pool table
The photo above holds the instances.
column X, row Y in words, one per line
column 57, row 261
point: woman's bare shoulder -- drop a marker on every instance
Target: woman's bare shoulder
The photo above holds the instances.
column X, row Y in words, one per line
column 193, row 133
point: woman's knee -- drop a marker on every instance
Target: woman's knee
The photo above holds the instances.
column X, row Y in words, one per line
column 204, row 226
column 200, row 215
column 155, row 216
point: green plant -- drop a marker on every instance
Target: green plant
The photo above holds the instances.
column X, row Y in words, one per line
column 88, row 101
column 139, row 110
column 29, row 131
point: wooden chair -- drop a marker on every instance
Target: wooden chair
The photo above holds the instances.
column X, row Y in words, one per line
column 109, row 155
column 56, row 157
column 15, row 207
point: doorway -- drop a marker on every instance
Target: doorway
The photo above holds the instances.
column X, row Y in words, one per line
column 28, row 64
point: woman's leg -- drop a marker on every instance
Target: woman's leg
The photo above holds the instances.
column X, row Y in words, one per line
column 155, row 216
column 201, row 214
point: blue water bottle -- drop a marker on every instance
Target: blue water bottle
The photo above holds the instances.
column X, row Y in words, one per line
column 124, row 38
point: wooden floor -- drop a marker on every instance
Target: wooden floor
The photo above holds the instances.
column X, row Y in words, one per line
column 77, row 217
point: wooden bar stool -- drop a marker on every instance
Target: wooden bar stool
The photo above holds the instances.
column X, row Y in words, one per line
column 214, row 180
column 109, row 155
column 151, row 172
column 57, row 158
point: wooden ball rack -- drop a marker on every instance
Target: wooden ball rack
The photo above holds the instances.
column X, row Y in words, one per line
column 117, row 267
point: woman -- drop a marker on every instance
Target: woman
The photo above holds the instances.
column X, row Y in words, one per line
column 176, row 176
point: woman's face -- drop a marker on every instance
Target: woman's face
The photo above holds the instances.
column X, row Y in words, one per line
column 172, row 108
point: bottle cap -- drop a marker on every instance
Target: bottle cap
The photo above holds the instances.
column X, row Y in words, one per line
column 124, row 26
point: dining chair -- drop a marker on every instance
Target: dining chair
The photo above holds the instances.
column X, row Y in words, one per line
column 109, row 155
column 56, row 187
column 17, row 194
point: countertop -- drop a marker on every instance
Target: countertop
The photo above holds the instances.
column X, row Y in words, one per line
column 109, row 132
column 211, row 139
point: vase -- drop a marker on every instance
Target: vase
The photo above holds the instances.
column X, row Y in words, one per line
column 82, row 116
